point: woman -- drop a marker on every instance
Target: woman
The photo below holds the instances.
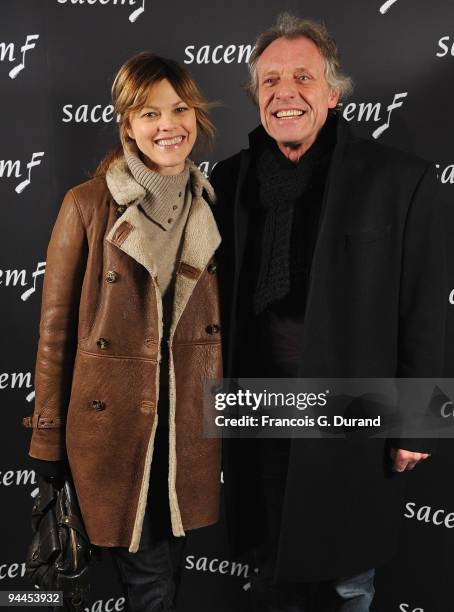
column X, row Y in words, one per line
column 129, row 333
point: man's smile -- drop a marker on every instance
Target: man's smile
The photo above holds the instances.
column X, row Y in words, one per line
column 290, row 113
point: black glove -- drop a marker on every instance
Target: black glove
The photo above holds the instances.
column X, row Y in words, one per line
column 54, row 472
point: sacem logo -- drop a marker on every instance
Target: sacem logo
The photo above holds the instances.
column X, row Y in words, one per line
column 447, row 174
column 108, row 605
column 207, row 167
column 17, row 380
column 12, row 168
column 370, row 111
column 217, row 566
column 21, row 278
column 8, row 54
column 218, row 54
column 14, row 570
column 225, row 567
column 84, row 113
column 425, row 514
column 384, row 8
column 446, row 46
column 139, row 6
column 17, row 477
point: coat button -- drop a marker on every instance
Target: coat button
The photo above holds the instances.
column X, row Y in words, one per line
column 212, row 329
column 212, row 267
column 111, row 276
column 102, row 343
column 121, row 209
column 98, row 405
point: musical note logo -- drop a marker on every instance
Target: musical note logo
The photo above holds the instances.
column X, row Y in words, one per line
column 35, row 161
column 28, row 45
column 247, row 585
column 394, row 104
column 40, row 269
column 134, row 15
column 386, row 6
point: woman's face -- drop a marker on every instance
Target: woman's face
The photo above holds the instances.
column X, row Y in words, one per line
column 165, row 129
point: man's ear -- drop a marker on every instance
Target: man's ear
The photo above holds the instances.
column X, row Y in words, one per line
column 333, row 98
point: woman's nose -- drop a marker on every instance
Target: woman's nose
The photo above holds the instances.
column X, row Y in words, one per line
column 167, row 122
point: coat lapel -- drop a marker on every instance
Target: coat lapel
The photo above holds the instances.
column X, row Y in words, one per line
column 240, row 231
column 128, row 234
column 201, row 239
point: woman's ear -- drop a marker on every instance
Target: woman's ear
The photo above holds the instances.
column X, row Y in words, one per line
column 128, row 130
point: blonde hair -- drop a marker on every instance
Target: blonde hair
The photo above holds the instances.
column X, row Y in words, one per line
column 130, row 91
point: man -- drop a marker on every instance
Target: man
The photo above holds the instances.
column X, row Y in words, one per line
column 332, row 265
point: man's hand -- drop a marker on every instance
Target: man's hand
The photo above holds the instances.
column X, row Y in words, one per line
column 406, row 460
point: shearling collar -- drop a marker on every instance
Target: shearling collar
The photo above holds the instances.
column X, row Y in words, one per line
column 126, row 190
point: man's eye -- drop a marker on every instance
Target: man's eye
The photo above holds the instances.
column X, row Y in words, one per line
column 268, row 81
column 302, row 77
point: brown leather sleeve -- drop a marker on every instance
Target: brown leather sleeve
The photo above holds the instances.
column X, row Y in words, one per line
column 65, row 266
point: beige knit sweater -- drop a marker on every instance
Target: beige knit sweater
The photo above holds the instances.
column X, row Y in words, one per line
column 165, row 209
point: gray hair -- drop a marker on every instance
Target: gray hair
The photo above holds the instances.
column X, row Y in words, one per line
column 289, row 26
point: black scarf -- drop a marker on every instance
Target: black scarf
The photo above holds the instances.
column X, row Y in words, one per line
column 282, row 186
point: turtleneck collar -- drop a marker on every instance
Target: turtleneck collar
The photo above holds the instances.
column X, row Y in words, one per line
column 165, row 197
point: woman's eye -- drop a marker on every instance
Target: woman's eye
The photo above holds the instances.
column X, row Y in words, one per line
column 181, row 109
column 149, row 114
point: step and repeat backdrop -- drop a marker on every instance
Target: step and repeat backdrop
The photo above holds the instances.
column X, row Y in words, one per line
column 57, row 62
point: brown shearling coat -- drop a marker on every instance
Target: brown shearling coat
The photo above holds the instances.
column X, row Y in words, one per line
column 97, row 368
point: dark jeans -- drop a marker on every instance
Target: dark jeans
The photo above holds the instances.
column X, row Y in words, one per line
column 151, row 576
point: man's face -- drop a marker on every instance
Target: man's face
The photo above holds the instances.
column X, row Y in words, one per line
column 293, row 94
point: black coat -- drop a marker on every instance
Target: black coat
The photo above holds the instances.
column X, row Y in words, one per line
column 375, row 308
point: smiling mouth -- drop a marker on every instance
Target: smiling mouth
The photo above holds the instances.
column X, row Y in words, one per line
column 169, row 142
column 289, row 114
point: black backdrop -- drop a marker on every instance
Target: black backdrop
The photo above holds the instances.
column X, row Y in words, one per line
column 57, row 61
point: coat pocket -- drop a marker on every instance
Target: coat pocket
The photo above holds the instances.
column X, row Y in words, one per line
column 112, row 409
column 367, row 236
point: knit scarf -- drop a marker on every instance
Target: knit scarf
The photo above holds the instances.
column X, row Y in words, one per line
column 283, row 185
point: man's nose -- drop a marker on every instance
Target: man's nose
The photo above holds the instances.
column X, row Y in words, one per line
column 285, row 90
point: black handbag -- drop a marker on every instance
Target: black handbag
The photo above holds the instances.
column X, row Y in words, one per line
column 59, row 556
